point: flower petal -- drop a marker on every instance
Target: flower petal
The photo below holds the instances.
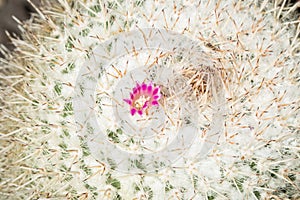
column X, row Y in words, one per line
column 154, row 103
column 156, row 97
column 128, row 101
column 138, row 86
column 140, row 112
column 155, row 91
column 146, row 104
column 132, row 111
column 131, row 96
column 150, row 89
column 144, row 86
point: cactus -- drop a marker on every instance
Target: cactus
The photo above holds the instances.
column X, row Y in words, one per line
column 225, row 124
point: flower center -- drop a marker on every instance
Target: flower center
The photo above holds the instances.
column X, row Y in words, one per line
column 140, row 102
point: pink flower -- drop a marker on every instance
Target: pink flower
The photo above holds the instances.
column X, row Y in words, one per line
column 142, row 97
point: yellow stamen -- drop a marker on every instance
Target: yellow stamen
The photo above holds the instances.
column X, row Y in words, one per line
column 140, row 102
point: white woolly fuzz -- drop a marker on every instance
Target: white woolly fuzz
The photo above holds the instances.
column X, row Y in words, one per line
column 252, row 60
